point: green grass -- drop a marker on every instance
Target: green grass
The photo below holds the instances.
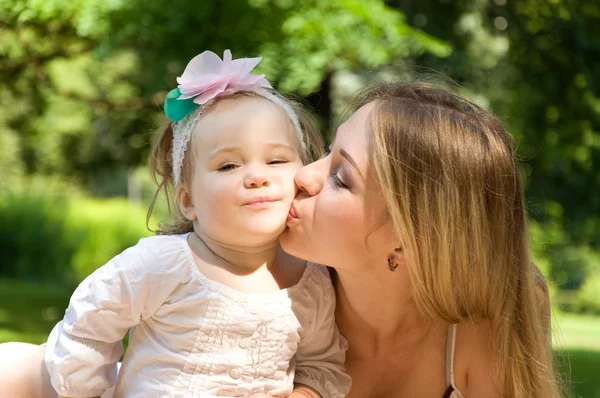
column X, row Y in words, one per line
column 576, row 339
column 584, row 368
column 576, row 331
column 29, row 311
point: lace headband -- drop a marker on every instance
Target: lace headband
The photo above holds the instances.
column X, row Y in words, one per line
column 205, row 79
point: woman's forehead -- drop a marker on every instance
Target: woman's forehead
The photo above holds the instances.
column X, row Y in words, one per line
column 354, row 134
column 358, row 122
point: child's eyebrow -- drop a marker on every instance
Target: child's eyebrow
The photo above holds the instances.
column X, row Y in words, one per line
column 237, row 149
column 224, row 149
column 280, row 145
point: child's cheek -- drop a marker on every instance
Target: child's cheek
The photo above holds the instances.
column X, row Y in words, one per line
column 289, row 184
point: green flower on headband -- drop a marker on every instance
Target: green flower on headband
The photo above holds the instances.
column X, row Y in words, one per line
column 177, row 109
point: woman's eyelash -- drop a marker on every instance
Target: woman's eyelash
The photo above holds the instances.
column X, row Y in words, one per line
column 336, row 181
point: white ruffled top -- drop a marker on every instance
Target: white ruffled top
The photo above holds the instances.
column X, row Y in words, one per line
column 191, row 336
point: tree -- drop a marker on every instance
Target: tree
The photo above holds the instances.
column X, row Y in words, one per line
column 533, row 63
column 88, row 76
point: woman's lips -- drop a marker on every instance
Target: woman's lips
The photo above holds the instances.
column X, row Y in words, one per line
column 292, row 215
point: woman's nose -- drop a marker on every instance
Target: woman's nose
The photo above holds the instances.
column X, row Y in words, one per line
column 256, row 177
column 310, row 178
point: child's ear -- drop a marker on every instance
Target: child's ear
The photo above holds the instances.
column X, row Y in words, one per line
column 185, row 202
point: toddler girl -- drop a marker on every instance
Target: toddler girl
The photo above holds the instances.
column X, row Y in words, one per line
column 214, row 307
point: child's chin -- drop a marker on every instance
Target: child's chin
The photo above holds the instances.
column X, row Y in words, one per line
column 266, row 233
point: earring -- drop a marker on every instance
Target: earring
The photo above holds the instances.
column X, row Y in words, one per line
column 391, row 265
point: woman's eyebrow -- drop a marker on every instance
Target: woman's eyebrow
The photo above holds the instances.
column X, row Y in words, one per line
column 347, row 156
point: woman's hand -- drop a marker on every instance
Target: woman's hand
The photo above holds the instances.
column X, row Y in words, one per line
column 302, row 391
column 301, row 394
column 60, row 396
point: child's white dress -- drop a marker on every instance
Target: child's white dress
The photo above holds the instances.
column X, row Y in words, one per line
column 194, row 337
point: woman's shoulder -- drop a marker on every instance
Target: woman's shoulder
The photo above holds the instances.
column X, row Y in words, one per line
column 474, row 369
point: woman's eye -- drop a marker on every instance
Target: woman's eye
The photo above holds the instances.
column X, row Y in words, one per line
column 227, row 167
column 337, row 181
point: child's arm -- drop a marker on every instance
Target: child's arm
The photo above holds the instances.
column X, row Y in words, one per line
column 84, row 348
column 321, row 354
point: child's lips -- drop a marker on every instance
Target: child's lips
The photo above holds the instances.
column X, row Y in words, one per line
column 260, row 202
column 260, row 199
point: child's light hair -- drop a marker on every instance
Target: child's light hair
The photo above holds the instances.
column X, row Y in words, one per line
column 161, row 163
column 449, row 176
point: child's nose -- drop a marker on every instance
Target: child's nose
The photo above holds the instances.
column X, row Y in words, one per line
column 309, row 178
column 256, row 177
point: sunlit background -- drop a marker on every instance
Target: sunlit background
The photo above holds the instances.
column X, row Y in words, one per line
column 82, row 83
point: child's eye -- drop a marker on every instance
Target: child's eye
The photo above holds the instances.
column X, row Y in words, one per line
column 227, row 167
column 278, row 161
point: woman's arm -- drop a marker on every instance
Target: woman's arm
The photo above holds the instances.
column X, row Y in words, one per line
column 482, row 379
column 477, row 341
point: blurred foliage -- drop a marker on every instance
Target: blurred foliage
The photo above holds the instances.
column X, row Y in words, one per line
column 587, row 299
column 29, row 311
column 104, row 228
column 83, row 82
column 63, row 239
column 533, row 62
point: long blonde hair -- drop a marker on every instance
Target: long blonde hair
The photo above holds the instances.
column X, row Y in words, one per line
column 161, row 166
column 449, row 176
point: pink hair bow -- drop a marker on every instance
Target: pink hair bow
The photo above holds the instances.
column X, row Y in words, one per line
column 206, row 77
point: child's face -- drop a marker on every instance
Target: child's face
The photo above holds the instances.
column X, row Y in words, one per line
column 243, row 178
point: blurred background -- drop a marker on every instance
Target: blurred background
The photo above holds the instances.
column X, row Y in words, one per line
column 82, row 84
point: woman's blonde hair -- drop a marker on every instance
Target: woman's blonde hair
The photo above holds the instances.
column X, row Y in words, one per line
column 449, row 176
column 161, row 165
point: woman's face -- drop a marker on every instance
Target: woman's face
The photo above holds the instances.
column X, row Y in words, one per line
column 338, row 217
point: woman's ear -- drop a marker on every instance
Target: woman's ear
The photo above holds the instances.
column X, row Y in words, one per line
column 396, row 258
column 185, row 203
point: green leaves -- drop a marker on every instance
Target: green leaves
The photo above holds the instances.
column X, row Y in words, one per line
column 84, row 79
column 328, row 36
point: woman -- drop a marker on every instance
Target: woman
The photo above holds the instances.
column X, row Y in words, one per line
column 419, row 210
